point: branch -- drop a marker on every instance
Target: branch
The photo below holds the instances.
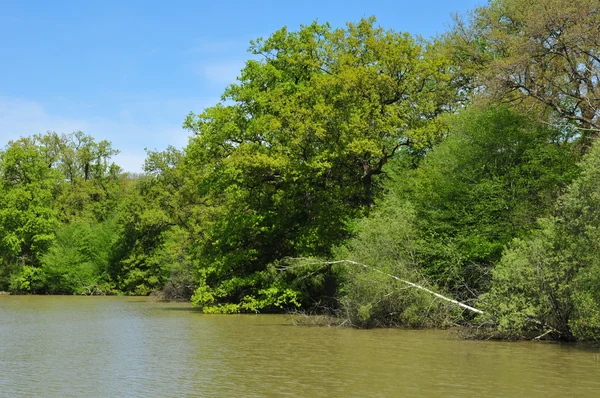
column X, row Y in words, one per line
column 544, row 334
column 391, row 276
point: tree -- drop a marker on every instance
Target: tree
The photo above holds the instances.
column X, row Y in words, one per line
column 297, row 149
column 91, row 182
column 368, row 297
column 542, row 52
column 27, row 216
column 78, row 259
column 154, row 223
column 45, row 180
column 141, row 226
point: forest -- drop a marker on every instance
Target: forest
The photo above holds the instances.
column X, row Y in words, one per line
column 342, row 163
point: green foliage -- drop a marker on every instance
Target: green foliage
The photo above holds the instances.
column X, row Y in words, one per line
column 356, row 144
column 297, row 150
column 140, row 260
column 263, row 291
column 91, row 184
column 28, row 280
column 39, row 177
column 519, row 300
column 550, row 280
column 79, row 258
column 75, row 263
column 56, row 191
column 486, row 183
column 27, row 216
column 386, row 242
column 445, row 220
column 176, row 258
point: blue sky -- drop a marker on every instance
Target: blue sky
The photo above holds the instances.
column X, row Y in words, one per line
column 130, row 71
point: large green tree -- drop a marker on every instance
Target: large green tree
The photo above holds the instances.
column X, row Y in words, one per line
column 296, row 149
column 91, row 182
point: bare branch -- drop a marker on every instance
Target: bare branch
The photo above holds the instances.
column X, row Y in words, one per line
column 465, row 306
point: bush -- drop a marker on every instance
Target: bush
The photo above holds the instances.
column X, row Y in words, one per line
column 370, row 298
column 488, row 182
column 78, row 259
column 551, row 280
column 27, row 280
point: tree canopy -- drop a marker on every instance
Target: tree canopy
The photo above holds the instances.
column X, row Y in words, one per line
column 296, row 150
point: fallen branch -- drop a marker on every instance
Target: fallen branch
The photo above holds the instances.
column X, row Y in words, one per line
column 544, row 334
column 545, row 325
column 465, row 306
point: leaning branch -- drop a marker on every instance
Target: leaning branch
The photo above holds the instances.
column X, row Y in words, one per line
column 465, row 306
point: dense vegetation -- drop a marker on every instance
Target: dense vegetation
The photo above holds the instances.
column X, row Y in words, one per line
column 466, row 164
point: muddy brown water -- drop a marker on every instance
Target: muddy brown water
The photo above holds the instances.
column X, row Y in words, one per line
column 131, row 346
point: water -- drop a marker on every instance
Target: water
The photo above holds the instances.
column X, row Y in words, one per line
column 114, row 346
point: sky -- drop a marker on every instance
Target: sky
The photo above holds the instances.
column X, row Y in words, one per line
column 131, row 71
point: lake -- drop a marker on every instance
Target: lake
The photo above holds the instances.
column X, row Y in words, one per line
column 133, row 346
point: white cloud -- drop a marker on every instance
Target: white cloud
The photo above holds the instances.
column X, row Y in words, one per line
column 128, row 131
column 221, row 72
column 130, row 162
column 219, row 61
column 19, row 118
column 219, row 46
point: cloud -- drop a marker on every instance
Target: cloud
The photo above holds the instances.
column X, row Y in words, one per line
column 20, row 118
column 133, row 163
column 130, row 130
column 219, row 46
column 218, row 61
column 221, row 72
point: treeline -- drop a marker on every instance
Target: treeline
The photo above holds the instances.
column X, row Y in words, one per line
column 466, row 164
